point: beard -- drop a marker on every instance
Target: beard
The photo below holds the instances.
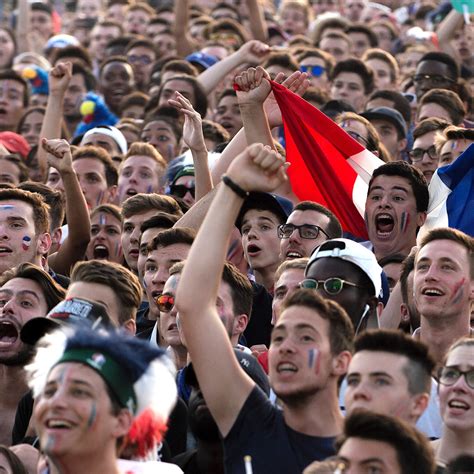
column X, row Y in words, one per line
column 22, row 357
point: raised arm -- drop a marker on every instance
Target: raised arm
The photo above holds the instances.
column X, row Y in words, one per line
column 452, row 23
column 58, row 80
column 72, row 250
column 252, row 52
column 224, row 384
column 194, row 139
column 185, row 44
column 258, row 25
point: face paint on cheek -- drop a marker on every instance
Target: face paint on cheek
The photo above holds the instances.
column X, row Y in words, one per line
column 313, row 360
column 118, row 249
column 458, row 291
column 170, row 152
column 99, row 198
column 26, row 243
column 149, row 190
column 92, row 416
column 404, row 221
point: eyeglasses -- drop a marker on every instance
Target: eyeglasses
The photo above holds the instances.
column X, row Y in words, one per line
column 306, row 231
column 316, row 71
column 359, row 138
column 180, row 190
column 165, row 303
column 434, row 79
column 332, row 286
column 450, row 375
column 135, row 59
column 417, row 154
column 410, row 97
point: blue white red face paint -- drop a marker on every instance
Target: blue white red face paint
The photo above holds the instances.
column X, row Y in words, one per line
column 26, row 242
column 313, row 359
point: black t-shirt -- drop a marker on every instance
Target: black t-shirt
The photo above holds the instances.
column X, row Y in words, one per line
column 259, row 328
column 261, row 432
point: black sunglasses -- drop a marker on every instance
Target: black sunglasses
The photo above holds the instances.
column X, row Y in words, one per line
column 180, row 190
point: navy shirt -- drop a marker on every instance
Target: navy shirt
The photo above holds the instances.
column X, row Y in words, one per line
column 261, row 432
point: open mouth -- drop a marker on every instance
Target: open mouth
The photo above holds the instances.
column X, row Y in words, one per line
column 285, row 367
column 101, row 252
column 432, row 292
column 3, row 111
column 290, row 254
column 384, row 225
column 253, row 249
column 458, row 405
column 131, row 192
column 5, row 250
column 8, row 333
column 228, row 126
column 59, row 424
column 133, row 253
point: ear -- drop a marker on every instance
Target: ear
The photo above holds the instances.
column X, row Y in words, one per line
column 130, row 326
column 340, row 363
column 373, row 302
column 124, row 422
column 43, row 244
column 405, row 314
column 419, row 403
column 402, row 144
column 240, row 323
column 420, row 218
column 56, row 236
column 111, row 194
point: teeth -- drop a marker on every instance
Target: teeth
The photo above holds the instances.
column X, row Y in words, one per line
column 286, row 367
column 100, row 247
column 294, row 255
column 59, row 424
column 432, row 291
column 456, row 404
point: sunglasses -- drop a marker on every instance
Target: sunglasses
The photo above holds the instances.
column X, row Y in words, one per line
column 450, row 375
column 332, row 286
column 417, row 154
column 180, row 190
column 165, row 303
column 306, row 231
column 316, row 71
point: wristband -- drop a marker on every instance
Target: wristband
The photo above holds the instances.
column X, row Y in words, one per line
column 235, row 187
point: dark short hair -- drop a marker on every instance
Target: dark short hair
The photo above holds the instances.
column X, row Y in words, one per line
column 144, row 202
column 334, row 228
column 175, row 235
column 448, row 100
column 414, row 453
column 341, row 329
column 89, row 79
column 73, row 51
column 97, row 153
column 400, row 102
column 360, row 28
column 240, row 289
column 54, row 199
column 420, row 363
column 52, row 292
column 454, row 235
column 10, row 74
column 161, row 220
column 408, row 266
column 413, row 175
column 445, row 59
column 286, row 60
column 429, row 125
column 356, row 66
column 215, row 132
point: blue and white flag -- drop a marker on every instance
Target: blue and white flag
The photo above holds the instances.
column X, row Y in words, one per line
column 452, row 196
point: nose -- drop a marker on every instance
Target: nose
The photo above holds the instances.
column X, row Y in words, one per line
column 160, row 276
column 360, row 392
column 8, row 308
column 135, row 235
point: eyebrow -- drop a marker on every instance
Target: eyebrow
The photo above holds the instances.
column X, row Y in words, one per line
column 394, row 188
column 74, row 381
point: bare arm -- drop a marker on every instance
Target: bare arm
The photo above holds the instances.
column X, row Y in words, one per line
column 74, row 247
column 194, row 139
column 59, row 78
column 224, row 384
column 258, row 25
column 453, row 22
column 252, row 52
column 391, row 315
column 185, row 45
column 22, row 25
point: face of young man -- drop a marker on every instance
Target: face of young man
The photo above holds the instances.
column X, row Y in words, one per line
column 105, row 243
column 366, row 455
column 157, row 268
column 297, row 247
column 451, row 150
column 389, row 136
column 21, row 299
column 300, row 359
column 348, row 86
column 91, row 175
column 75, row 92
column 138, row 174
column 131, row 237
column 146, row 237
column 442, row 284
column 286, row 285
column 76, row 397
column 391, row 215
column 168, row 325
column 100, row 36
column 11, row 104
column 116, row 81
column 260, row 239
column 432, row 74
column 376, row 381
column 19, row 241
column 161, row 136
column 228, row 114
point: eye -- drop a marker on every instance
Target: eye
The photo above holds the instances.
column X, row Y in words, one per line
column 112, row 231
column 94, row 230
column 150, row 268
column 145, row 175
column 126, row 173
column 26, row 304
column 3, row 302
column 163, row 138
column 382, row 382
column 128, row 228
column 245, row 230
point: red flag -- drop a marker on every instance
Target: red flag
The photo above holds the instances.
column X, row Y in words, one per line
column 327, row 165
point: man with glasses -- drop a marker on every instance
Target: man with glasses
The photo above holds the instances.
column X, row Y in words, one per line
column 348, row 273
column 307, row 227
column 141, row 54
column 435, row 70
column 423, row 154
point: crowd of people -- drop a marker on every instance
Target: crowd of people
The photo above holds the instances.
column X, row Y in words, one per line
column 170, row 301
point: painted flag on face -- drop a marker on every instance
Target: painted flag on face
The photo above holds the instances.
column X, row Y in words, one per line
column 452, row 196
column 327, row 165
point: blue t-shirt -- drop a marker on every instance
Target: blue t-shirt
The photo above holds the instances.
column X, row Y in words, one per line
column 261, row 432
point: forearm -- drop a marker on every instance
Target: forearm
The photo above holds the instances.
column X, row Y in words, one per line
column 258, row 25
column 211, row 77
column 195, row 216
column 184, row 43
column 202, row 174
column 237, row 145
column 22, row 26
column 51, row 127
column 391, row 316
column 255, row 124
column 449, row 26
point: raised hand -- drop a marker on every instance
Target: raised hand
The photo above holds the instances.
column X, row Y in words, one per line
column 252, row 86
column 59, row 77
column 192, row 130
column 258, row 168
column 253, row 52
column 58, row 154
column 297, row 82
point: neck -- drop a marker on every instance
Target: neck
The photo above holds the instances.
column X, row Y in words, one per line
column 180, row 356
column 12, row 384
column 381, row 251
column 440, row 333
column 210, row 457
column 318, row 416
column 452, row 444
column 97, row 463
column 266, row 277
column 71, row 123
